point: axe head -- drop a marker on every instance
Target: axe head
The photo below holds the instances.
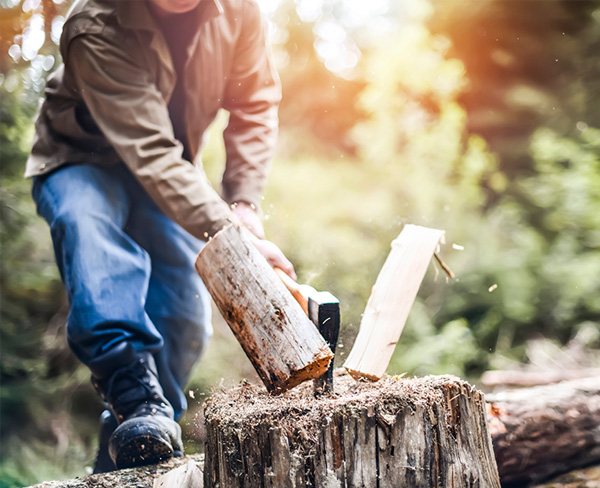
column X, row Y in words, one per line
column 324, row 312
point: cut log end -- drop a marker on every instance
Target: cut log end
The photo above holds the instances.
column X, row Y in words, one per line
column 316, row 368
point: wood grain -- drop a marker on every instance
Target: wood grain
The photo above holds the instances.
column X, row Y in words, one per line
column 187, row 476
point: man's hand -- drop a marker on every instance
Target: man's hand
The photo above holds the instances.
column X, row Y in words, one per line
column 249, row 218
column 273, row 255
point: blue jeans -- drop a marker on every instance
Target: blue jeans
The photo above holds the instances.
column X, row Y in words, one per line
column 128, row 271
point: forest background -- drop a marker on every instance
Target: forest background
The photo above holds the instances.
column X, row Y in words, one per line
column 478, row 117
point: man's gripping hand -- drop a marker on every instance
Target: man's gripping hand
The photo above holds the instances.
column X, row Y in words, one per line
column 248, row 217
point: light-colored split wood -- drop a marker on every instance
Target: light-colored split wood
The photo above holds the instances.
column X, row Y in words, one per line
column 391, row 300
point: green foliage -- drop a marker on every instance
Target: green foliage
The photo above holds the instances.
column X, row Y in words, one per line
column 555, row 219
column 40, row 383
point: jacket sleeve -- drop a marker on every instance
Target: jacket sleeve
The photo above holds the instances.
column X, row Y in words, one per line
column 252, row 97
column 133, row 116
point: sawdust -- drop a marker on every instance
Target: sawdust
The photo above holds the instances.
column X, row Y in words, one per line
column 299, row 414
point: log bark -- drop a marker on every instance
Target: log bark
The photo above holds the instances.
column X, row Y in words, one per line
column 143, row 477
column 391, row 300
column 429, row 432
column 542, row 431
column 580, row 478
column 283, row 345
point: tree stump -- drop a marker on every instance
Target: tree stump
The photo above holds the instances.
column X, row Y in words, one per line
column 428, row 432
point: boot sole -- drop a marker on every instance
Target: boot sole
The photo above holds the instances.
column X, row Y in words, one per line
column 143, row 450
column 139, row 444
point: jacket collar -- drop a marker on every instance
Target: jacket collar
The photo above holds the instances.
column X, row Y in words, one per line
column 136, row 15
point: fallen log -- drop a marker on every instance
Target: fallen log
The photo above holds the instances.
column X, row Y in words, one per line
column 546, row 430
column 283, row 345
column 142, row 477
column 580, row 478
column 397, row 432
column 522, row 379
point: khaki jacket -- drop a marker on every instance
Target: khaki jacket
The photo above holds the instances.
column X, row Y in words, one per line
column 109, row 103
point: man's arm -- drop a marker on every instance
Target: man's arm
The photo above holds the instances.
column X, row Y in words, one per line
column 252, row 97
column 133, row 116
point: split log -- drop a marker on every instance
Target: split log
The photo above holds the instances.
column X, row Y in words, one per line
column 283, row 345
column 542, row 431
column 429, row 432
column 392, row 297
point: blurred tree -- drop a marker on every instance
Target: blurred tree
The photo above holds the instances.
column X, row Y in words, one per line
column 40, row 385
column 529, row 64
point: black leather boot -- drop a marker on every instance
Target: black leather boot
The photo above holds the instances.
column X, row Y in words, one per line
column 147, row 432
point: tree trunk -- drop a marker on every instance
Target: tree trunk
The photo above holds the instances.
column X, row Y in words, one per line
column 429, row 432
column 542, row 431
column 283, row 345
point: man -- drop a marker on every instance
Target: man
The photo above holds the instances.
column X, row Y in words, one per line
column 117, row 176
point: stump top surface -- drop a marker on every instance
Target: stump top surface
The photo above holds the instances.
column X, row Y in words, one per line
column 298, row 410
column 246, row 401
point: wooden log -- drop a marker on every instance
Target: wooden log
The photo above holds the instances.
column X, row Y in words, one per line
column 323, row 309
column 391, row 300
column 531, row 378
column 283, row 345
column 542, row 431
column 429, row 432
column 142, row 477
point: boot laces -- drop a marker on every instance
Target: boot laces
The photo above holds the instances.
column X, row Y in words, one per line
column 130, row 391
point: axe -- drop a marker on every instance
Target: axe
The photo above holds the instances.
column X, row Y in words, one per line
column 323, row 309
